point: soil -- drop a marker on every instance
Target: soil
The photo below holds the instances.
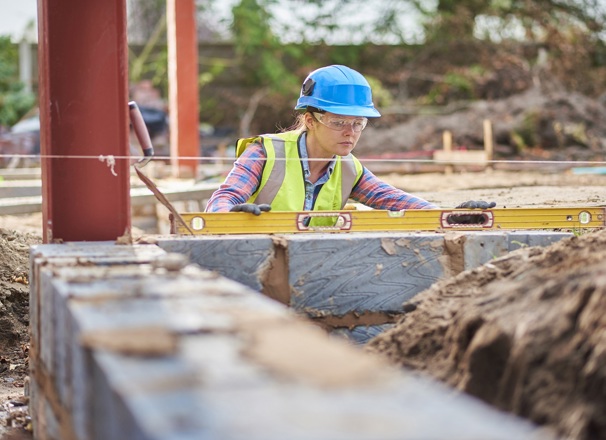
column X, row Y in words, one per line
column 525, row 333
column 14, row 331
column 509, row 189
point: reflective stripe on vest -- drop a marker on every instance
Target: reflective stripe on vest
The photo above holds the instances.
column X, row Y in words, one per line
column 269, row 189
column 349, row 177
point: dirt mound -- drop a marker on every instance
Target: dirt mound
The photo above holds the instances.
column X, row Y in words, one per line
column 14, row 288
column 525, row 333
column 535, row 124
column 14, row 324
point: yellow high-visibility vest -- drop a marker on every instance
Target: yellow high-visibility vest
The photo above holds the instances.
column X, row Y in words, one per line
column 283, row 184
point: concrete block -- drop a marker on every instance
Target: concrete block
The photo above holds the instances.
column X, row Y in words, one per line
column 296, row 406
column 80, row 253
column 338, row 274
column 240, row 258
column 48, row 322
column 159, row 404
column 127, row 297
column 482, row 247
column 535, row 238
column 99, row 252
column 51, row 334
column 43, row 336
column 395, row 412
column 46, row 426
column 220, row 360
column 361, row 334
column 79, row 392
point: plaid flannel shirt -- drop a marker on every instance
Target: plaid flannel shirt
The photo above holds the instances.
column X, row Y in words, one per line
column 245, row 177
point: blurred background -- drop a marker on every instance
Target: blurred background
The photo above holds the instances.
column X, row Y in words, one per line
column 536, row 69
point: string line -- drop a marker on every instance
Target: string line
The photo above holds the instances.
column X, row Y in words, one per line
column 361, row 159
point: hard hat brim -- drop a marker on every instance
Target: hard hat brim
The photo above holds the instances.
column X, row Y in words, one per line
column 367, row 112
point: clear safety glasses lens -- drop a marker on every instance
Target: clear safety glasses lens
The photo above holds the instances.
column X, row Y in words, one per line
column 340, row 124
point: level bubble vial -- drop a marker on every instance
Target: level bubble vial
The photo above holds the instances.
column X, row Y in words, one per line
column 197, row 223
column 584, row 217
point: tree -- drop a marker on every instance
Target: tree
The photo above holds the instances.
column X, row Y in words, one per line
column 347, row 21
column 147, row 32
column 455, row 19
column 15, row 100
column 261, row 56
column 532, row 21
column 463, row 48
column 569, row 34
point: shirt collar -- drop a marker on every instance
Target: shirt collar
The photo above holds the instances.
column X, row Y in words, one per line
column 305, row 157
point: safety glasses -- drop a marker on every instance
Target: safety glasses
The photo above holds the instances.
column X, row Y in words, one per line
column 340, row 124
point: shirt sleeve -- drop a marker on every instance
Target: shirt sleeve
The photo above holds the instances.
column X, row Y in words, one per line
column 375, row 193
column 241, row 182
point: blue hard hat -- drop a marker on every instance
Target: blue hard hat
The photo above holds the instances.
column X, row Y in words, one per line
column 337, row 89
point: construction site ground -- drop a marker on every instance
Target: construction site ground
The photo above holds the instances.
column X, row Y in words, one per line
column 525, row 333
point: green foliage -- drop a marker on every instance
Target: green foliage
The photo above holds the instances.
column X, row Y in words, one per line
column 380, row 95
column 147, row 21
column 211, row 107
column 526, row 134
column 259, row 51
column 262, row 59
column 15, row 101
column 152, row 66
column 347, row 55
column 460, row 83
column 151, row 63
column 579, row 232
column 519, row 244
column 454, row 19
column 453, row 85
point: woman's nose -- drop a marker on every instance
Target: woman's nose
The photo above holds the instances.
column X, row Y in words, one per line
column 349, row 129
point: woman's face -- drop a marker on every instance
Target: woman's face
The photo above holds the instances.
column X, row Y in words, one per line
column 331, row 134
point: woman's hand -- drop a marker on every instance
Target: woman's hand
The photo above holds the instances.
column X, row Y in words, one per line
column 250, row 208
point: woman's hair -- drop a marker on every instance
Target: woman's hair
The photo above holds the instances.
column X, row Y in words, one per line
column 299, row 124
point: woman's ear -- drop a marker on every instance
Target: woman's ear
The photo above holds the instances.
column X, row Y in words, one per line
column 309, row 120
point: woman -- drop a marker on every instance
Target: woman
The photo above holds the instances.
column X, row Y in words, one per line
column 310, row 167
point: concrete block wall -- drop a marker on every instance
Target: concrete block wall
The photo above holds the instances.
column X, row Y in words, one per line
column 130, row 342
column 49, row 403
column 352, row 284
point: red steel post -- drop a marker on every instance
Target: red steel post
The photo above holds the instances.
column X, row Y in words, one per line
column 84, row 119
column 183, row 86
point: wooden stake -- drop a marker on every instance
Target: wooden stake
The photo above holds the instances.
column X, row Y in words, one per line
column 488, row 142
column 447, row 146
